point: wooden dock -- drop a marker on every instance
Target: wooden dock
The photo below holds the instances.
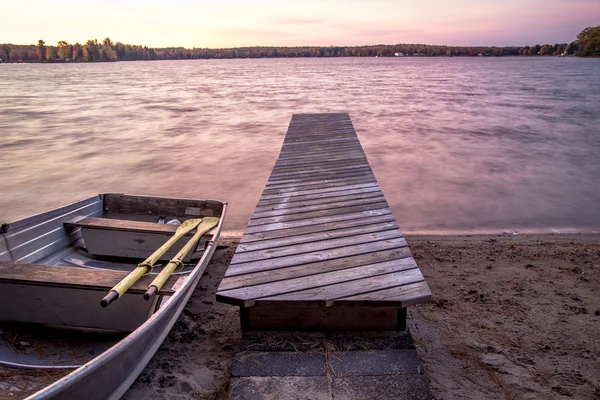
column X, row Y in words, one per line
column 322, row 249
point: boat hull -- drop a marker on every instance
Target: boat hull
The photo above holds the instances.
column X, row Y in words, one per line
column 109, row 375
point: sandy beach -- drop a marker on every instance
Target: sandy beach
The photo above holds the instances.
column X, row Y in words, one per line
column 512, row 317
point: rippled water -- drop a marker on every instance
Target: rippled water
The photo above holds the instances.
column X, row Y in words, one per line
column 457, row 144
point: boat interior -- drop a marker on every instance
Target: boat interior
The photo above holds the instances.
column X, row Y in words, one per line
column 55, row 268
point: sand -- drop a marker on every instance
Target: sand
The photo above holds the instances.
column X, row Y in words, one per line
column 194, row 361
column 512, row 317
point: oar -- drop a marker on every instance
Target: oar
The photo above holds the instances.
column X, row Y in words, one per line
column 146, row 266
column 207, row 224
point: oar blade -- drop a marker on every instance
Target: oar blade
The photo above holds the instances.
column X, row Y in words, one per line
column 186, row 227
column 206, row 225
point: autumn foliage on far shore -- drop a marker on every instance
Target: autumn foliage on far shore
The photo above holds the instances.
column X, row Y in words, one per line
column 586, row 45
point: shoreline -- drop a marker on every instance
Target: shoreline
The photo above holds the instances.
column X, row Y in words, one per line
column 236, row 235
column 512, row 316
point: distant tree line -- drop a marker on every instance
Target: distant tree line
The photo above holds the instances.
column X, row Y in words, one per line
column 586, row 45
column 589, row 42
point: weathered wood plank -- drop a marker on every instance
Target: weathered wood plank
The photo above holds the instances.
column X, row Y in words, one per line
column 298, row 249
column 285, row 200
column 331, row 148
column 322, row 155
column 324, row 171
column 331, row 135
column 160, row 207
column 122, row 225
column 406, row 295
column 338, row 181
column 74, row 277
column 320, row 149
column 316, row 214
column 322, row 206
column 283, row 191
column 321, row 142
column 307, row 258
column 354, row 156
column 336, row 264
column 317, row 166
column 318, row 280
column 333, row 292
column 312, row 181
column 312, row 202
column 324, row 190
column 319, row 160
column 347, row 175
column 317, row 236
column 320, row 220
column 323, row 228
column 324, row 175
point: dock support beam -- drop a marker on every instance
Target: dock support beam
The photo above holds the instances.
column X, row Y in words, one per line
column 322, row 318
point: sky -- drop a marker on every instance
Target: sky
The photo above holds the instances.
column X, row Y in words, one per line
column 238, row 23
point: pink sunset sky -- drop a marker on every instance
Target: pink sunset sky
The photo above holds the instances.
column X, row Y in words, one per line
column 236, row 23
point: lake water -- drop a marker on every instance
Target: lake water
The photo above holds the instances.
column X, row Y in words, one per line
column 457, row 144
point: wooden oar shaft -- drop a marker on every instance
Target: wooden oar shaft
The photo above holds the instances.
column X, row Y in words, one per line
column 146, row 266
column 158, row 282
column 183, row 230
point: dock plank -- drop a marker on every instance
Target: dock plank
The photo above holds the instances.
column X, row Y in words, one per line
column 316, row 214
column 322, row 235
column 308, row 229
column 319, row 235
column 255, row 278
column 320, row 281
column 317, row 201
column 320, row 255
column 361, row 186
column 344, row 289
column 318, row 207
column 317, row 197
column 318, row 245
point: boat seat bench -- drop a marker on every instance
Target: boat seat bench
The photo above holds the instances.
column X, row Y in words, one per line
column 121, row 225
column 70, row 296
column 322, row 250
column 132, row 239
column 127, row 225
column 75, row 277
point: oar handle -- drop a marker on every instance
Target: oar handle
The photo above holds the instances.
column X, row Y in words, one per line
column 121, row 287
column 109, row 298
column 152, row 290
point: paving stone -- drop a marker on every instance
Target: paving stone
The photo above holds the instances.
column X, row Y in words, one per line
column 279, row 388
column 389, row 387
column 278, row 364
column 377, row 362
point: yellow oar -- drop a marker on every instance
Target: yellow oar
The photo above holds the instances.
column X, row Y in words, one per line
column 146, row 266
column 207, row 224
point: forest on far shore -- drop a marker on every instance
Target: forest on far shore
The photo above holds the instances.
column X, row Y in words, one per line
column 586, row 45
